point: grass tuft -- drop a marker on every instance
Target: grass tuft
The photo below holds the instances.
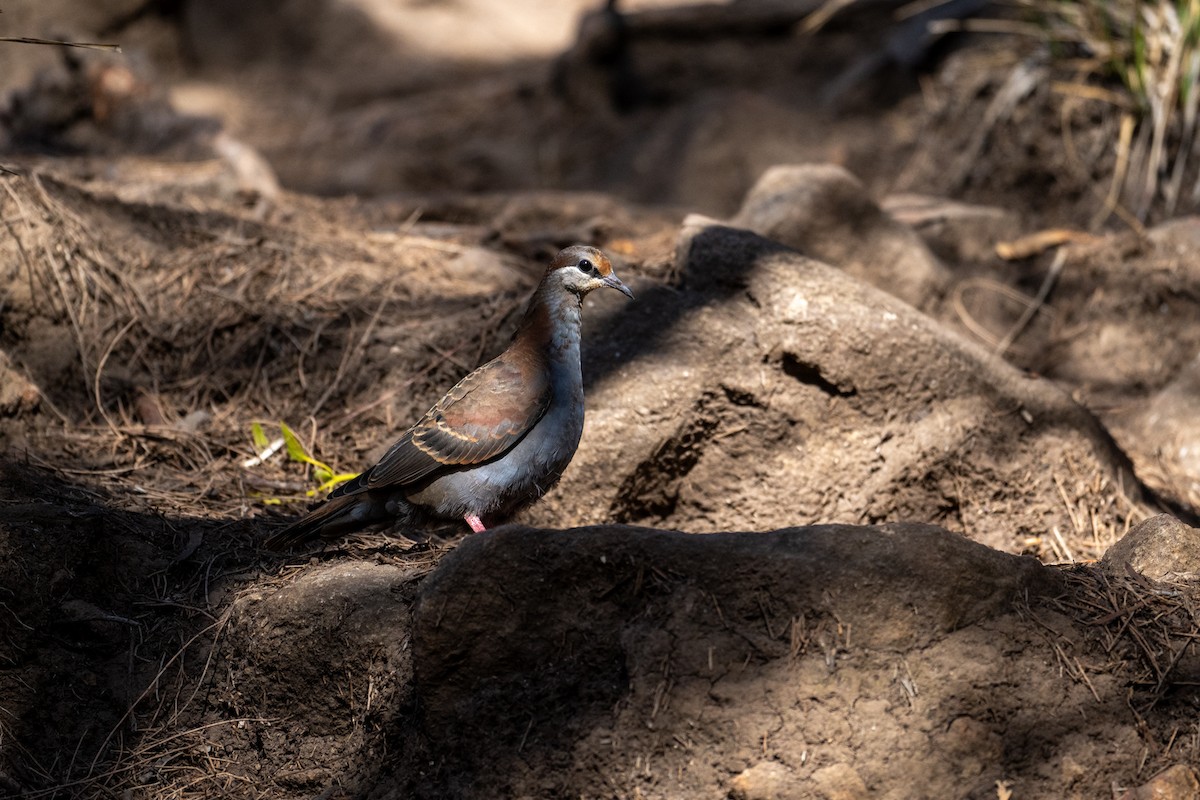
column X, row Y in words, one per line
column 1152, row 48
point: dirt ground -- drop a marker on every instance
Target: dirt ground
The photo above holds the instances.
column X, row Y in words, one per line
column 889, row 474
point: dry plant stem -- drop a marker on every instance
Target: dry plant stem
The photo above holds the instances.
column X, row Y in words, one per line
column 112, row 284
column 1023, row 80
column 217, row 626
column 1060, row 258
column 968, row 320
column 100, row 371
column 114, row 48
column 1083, row 91
column 1162, row 94
column 1112, row 200
column 817, row 19
column 1189, row 131
column 142, row 759
column 943, row 26
column 1034, row 243
column 30, row 266
column 1155, row 620
column 354, row 351
column 1152, row 47
column 1139, row 163
column 92, row 284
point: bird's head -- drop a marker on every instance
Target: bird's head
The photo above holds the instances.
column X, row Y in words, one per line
column 581, row 269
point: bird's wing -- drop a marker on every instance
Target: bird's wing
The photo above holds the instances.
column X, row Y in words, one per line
column 483, row 416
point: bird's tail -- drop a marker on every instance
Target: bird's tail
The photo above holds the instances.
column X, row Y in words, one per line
column 339, row 515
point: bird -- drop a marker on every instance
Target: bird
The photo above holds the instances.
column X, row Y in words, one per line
column 499, row 439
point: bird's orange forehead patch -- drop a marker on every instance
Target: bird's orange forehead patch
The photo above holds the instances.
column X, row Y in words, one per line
column 603, row 265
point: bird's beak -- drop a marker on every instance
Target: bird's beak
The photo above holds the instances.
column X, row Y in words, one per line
column 613, row 282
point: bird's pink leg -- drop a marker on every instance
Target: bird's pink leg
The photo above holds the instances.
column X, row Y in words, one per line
column 475, row 523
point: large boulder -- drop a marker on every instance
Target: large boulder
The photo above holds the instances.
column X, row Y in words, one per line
column 825, row 212
column 768, row 390
column 809, row 662
column 565, row 654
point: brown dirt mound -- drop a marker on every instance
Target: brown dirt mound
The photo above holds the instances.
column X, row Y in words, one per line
column 723, row 398
column 154, row 307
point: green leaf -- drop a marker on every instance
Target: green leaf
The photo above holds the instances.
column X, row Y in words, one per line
column 326, row 477
column 261, row 442
column 295, row 450
column 333, row 482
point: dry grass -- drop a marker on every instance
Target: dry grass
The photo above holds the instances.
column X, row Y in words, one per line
column 1095, row 514
column 1152, row 48
column 1139, row 60
column 1147, row 629
column 182, row 334
column 157, row 335
column 1130, row 642
column 168, row 744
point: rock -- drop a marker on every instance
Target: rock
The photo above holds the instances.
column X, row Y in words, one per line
column 840, row 782
column 716, row 155
column 768, row 390
column 18, row 394
column 633, row 605
column 824, row 212
column 351, row 621
column 249, row 174
column 1179, row 236
column 1160, row 548
column 1173, row 783
column 1162, row 436
column 974, row 746
column 767, row 780
column 1132, row 330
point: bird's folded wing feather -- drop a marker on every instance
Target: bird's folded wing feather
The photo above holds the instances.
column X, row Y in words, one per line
column 483, row 416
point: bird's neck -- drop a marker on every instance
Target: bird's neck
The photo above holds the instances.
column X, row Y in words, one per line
column 551, row 326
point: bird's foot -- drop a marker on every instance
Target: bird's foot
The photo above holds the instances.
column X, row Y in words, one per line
column 475, row 523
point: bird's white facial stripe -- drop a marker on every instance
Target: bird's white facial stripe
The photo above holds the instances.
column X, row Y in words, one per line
column 572, row 279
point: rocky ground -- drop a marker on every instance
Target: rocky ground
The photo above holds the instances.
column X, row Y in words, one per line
column 888, row 479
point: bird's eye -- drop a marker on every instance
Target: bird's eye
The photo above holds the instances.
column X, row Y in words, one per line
column 587, row 266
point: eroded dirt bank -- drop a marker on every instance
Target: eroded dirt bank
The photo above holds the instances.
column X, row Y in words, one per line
column 862, row 509
column 835, row 661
